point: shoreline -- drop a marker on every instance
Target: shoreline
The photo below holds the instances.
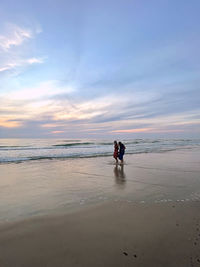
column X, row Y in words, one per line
column 58, row 186
column 94, row 213
column 57, row 158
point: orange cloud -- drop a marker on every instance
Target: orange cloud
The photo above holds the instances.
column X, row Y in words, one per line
column 9, row 124
column 148, row 130
column 167, row 131
column 56, row 132
column 140, row 130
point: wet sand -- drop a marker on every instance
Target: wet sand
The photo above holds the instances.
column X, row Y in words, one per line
column 109, row 234
column 145, row 214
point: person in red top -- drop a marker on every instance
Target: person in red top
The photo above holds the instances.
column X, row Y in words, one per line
column 116, row 150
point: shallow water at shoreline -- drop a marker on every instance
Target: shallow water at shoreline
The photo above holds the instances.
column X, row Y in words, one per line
column 20, row 150
column 43, row 187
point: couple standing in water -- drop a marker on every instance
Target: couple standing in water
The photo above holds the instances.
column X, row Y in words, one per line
column 119, row 150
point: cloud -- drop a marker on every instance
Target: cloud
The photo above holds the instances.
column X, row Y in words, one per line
column 14, row 36
column 31, row 103
column 21, row 63
column 7, row 123
column 35, row 60
column 7, row 67
column 54, row 109
column 15, row 49
column 57, row 132
column 42, row 92
column 140, row 130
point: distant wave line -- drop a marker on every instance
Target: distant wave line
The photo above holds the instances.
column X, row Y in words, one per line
column 71, row 156
column 91, row 144
column 75, row 144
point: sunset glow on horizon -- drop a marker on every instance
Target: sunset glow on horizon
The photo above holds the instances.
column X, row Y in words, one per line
column 81, row 69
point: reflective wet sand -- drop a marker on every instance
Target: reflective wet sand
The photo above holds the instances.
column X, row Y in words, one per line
column 91, row 212
column 49, row 186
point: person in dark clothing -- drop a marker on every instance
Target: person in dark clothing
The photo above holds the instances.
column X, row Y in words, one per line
column 121, row 152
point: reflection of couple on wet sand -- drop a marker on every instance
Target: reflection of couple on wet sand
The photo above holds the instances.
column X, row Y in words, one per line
column 119, row 150
column 119, row 172
column 120, row 176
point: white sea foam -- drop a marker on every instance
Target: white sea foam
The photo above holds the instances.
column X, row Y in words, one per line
column 18, row 150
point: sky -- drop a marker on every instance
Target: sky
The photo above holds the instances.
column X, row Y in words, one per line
column 99, row 69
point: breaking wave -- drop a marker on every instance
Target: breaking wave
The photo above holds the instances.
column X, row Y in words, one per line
column 31, row 150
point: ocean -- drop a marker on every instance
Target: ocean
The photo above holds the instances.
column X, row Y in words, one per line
column 20, row 150
column 46, row 176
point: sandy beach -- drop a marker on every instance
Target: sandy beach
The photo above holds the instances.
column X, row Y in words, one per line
column 145, row 214
column 111, row 234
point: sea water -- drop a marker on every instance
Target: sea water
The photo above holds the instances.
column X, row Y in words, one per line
column 44, row 176
column 18, row 150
